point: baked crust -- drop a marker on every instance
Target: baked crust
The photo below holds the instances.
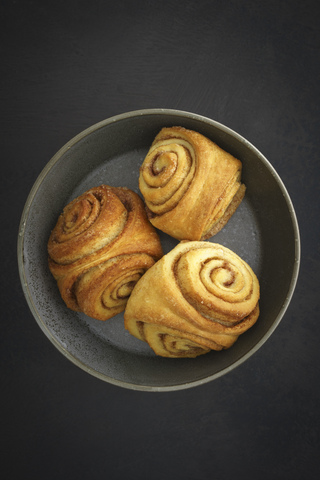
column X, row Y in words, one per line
column 209, row 297
column 190, row 185
column 100, row 247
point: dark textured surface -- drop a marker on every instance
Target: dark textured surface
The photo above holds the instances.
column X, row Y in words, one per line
column 253, row 66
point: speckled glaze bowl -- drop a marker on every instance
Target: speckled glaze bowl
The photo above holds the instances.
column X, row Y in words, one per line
column 263, row 231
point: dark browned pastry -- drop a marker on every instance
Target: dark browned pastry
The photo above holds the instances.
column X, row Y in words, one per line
column 100, row 247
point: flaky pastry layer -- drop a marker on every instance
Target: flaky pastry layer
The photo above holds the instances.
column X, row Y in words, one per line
column 199, row 297
column 100, row 247
column 190, row 185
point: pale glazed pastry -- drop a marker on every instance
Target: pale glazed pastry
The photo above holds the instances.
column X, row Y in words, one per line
column 100, row 247
column 199, row 297
column 191, row 186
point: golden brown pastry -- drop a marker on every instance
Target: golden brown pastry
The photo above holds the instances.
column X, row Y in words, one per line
column 199, row 297
column 190, row 185
column 100, row 247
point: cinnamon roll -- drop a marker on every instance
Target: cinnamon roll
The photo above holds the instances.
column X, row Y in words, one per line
column 100, row 247
column 199, row 297
column 191, row 186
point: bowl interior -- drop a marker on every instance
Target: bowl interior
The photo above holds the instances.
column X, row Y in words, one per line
column 263, row 232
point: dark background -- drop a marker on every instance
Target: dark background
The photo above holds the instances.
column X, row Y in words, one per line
column 251, row 65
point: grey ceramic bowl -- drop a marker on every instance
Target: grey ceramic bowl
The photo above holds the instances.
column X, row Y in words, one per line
column 263, row 231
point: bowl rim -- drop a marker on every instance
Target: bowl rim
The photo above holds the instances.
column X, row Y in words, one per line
column 112, row 120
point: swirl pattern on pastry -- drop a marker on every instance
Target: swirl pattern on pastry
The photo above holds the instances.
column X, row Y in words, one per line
column 190, row 185
column 100, row 247
column 199, row 297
